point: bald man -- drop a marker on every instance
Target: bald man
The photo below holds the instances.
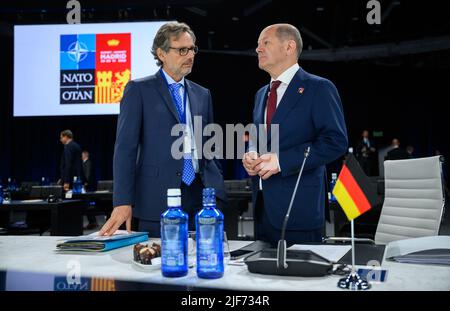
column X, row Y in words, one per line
column 308, row 112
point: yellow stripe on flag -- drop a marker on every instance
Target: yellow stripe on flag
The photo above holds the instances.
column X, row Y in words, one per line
column 345, row 201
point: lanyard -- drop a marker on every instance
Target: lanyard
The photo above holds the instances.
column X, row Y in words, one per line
column 181, row 114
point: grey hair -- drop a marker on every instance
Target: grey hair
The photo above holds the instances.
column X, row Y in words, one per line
column 165, row 33
column 289, row 32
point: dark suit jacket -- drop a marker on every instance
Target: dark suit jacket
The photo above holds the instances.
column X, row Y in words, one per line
column 71, row 162
column 143, row 165
column 360, row 153
column 309, row 114
column 88, row 174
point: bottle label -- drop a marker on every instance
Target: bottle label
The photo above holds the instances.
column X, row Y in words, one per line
column 207, row 251
column 172, row 246
column 207, row 220
column 168, row 221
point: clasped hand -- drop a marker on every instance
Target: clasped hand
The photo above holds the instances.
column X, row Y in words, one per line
column 265, row 165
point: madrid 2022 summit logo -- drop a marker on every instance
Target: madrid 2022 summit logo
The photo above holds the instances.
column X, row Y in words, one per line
column 94, row 68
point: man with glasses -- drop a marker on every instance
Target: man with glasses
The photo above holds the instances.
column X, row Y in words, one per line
column 144, row 166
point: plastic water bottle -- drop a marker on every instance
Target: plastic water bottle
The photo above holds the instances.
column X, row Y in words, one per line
column 8, row 184
column 11, row 185
column 332, row 184
column 44, row 181
column 209, row 227
column 174, row 237
column 77, row 185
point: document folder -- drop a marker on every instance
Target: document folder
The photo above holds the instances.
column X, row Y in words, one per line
column 95, row 243
column 430, row 257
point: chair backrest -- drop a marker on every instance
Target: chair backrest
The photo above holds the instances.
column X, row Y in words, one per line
column 238, row 185
column 27, row 185
column 103, row 185
column 43, row 192
column 413, row 201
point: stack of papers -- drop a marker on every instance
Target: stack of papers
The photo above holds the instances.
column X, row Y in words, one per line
column 433, row 250
column 430, row 257
column 96, row 243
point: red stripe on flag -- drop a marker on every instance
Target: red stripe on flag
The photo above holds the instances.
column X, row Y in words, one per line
column 354, row 190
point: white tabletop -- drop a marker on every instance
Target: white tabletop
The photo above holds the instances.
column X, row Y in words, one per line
column 37, row 254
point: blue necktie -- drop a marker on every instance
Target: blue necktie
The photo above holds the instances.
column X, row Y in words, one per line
column 188, row 168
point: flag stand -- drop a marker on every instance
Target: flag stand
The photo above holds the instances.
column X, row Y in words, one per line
column 353, row 281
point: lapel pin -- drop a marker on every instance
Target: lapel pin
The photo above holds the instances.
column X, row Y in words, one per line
column 300, row 90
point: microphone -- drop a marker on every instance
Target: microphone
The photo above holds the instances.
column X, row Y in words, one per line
column 280, row 261
column 281, row 251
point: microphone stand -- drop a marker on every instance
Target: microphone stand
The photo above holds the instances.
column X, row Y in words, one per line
column 353, row 281
column 274, row 261
column 281, row 251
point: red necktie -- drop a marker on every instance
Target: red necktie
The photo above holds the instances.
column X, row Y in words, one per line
column 272, row 102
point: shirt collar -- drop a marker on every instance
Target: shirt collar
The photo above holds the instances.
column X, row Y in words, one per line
column 170, row 80
column 287, row 75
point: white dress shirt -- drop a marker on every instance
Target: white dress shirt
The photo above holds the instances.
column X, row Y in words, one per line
column 189, row 126
column 285, row 78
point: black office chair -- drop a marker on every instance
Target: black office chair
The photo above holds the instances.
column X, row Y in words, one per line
column 38, row 221
column 44, row 192
column 23, row 193
column 105, row 185
column 27, row 185
column 237, row 206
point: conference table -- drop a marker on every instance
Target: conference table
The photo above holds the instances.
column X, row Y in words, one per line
column 35, row 257
column 66, row 216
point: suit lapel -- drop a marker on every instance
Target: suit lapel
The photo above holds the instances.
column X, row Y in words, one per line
column 290, row 98
column 261, row 105
column 165, row 94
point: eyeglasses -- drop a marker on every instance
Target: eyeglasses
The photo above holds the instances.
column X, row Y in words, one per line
column 185, row 51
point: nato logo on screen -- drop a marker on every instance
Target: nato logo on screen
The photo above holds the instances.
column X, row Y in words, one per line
column 94, row 68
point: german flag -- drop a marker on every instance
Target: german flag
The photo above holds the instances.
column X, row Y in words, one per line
column 353, row 190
